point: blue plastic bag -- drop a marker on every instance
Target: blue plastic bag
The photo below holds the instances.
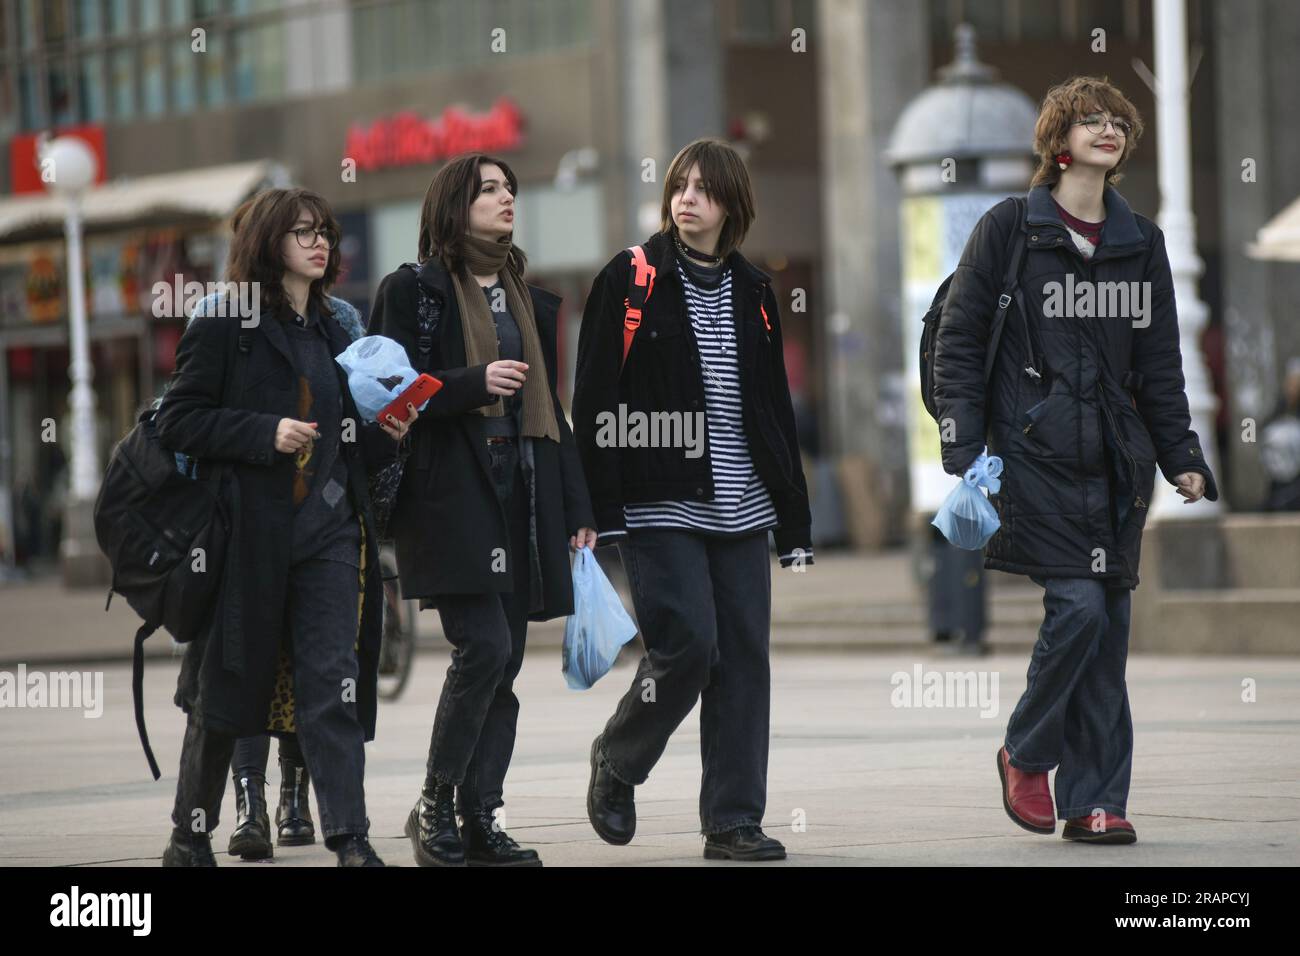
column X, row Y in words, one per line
column 966, row 518
column 378, row 371
column 598, row 627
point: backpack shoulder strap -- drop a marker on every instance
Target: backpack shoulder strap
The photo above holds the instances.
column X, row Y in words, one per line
column 641, row 282
column 1015, row 258
column 137, row 694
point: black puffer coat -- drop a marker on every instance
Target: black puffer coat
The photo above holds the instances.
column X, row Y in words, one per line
column 1080, row 447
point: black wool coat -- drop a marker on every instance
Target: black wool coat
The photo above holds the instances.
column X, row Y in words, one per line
column 1111, row 405
column 229, row 676
column 448, row 526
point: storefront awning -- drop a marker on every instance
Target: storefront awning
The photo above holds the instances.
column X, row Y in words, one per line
column 1279, row 238
column 213, row 192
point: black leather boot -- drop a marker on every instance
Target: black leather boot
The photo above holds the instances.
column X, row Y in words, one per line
column 356, row 850
column 431, row 827
column 293, row 815
column 610, row 806
column 189, row 849
column 488, row 845
column 744, row 843
column 251, row 839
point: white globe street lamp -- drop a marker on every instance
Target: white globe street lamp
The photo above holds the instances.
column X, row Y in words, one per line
column 68, row 168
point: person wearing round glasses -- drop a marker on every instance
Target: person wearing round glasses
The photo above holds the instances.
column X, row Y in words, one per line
column 294, row 641
column 1086, row 400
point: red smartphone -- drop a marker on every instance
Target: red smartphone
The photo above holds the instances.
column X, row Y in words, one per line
column 423, row 388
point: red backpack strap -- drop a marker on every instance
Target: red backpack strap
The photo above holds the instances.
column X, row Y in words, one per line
column 641, row 283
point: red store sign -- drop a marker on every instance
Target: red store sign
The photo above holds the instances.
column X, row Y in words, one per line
column 407, row 139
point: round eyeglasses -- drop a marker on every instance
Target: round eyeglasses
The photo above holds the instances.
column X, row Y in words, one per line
column 307, row 235
column 1096, row 124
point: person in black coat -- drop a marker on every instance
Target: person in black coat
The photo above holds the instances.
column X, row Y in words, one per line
column 492, row 496
column 686, row 428
column 295, row 637
column 1082, row 412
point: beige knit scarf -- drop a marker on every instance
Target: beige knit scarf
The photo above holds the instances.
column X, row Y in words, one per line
column 484, row 257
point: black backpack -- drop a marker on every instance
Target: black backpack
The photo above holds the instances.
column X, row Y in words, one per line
column 1010, row 294
column 165, row 534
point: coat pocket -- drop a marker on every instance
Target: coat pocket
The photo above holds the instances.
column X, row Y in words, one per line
column 1048, row 427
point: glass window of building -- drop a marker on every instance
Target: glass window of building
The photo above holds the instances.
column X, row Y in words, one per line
column 89, row 21
column 184, row 72
column 90, row 90
column 29, row 96
column 121, row 83
column 150, row 14
column 60, row 93
column 28, row 38
column 119, row 17
column 152, row 87
column 213, row 66
column 54, row 21
column 259, row 62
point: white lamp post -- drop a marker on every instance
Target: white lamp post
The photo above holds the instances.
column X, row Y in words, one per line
column 68, row 167
column 1174, row 162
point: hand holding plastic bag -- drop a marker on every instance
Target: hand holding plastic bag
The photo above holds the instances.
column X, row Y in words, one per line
column 966, row 518
column 598, row 627
column 378, row 371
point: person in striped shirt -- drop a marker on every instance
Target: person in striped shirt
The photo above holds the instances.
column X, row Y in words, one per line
column 692, row 528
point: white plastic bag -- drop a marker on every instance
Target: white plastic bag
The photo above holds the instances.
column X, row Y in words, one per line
column 598, row 627
column 378, row 371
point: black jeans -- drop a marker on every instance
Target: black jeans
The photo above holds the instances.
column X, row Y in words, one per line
column 474, row 729
column 704, row 606
column 252, row 753
column 322, row 624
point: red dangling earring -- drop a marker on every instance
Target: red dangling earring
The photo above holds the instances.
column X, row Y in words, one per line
column 1064, row 159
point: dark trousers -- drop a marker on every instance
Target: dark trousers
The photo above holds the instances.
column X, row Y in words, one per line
column 252, row 753
column 1074, row 713
column 322, row 624
column 704, row 605
column 473, row 735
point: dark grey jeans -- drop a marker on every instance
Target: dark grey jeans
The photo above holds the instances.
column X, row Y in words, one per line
column 473, row 735
column 322, row 623
column 1074, row 713
column 703, row 604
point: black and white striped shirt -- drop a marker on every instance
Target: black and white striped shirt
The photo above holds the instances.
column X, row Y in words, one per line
column 741, row 502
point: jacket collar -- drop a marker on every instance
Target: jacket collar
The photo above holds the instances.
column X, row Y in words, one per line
column 1121, row 232
column 274, row 333
column 662, row 253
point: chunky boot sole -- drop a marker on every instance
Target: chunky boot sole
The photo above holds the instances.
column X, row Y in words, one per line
column 249, row 846
column 301, row 839
column 1088, row 835
column 422, row 856
column 713, row 852
column 609, row 837
column 1006, row 804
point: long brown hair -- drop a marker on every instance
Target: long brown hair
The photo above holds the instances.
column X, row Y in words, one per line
column 725, row 179
column 259, row 227
column 444, row 218
column 1067, row 103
